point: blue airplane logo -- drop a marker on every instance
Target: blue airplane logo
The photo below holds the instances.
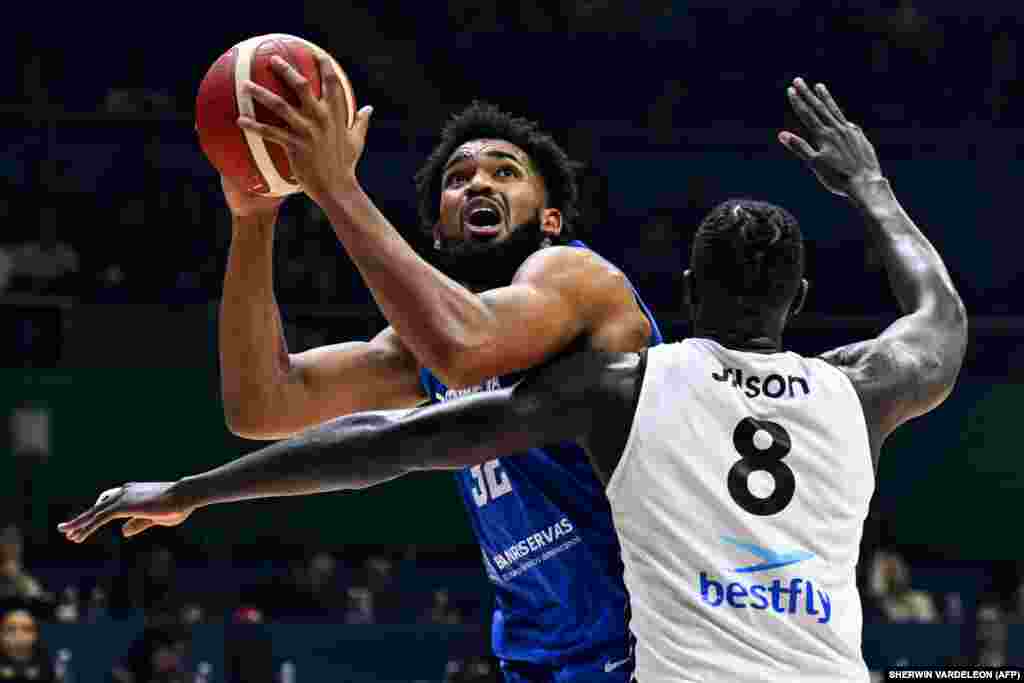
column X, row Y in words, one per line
column 772, row 559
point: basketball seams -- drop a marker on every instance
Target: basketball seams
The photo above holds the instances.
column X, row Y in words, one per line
column 238, row 99
column 244, row 60
column 262, row 167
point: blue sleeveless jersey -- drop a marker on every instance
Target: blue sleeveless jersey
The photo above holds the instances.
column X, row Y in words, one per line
column 549, row 546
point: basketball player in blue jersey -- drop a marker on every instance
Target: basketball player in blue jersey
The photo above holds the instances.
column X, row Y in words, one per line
column 501, row 287
column 719, row 450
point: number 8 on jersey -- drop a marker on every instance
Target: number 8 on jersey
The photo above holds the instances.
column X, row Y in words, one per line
column 762, row 445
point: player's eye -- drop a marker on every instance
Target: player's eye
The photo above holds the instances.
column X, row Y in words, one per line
column 455, row 179
column 507, row 172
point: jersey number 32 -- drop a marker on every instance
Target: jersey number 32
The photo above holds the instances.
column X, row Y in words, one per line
column 489, row 482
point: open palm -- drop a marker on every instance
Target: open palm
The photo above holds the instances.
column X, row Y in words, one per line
column 143, row 504
column 839, row 153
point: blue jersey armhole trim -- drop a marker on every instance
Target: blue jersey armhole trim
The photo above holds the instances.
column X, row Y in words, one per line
column 656, row 337
column 425, row 383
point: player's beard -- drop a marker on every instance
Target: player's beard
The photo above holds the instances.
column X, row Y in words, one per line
column 487, row 265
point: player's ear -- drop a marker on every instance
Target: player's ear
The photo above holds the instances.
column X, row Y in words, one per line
column 799, row 300
column 551, row 222
column 689, row 288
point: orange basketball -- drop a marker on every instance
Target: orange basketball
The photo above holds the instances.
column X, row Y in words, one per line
column 254, row 163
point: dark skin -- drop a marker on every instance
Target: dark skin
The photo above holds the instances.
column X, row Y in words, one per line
column 591, row 397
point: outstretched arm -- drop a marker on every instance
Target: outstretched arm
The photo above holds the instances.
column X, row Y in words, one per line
column 558, row 403
column 912, row 366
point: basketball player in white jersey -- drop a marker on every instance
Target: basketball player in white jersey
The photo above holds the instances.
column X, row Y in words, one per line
column 739, row 474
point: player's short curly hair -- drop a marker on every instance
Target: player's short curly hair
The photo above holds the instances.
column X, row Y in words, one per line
column 481, row 120
column 750, row 249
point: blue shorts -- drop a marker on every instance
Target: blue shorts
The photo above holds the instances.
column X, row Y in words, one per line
column 604, row 670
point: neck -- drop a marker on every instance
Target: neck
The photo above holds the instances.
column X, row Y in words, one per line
column 743, row 333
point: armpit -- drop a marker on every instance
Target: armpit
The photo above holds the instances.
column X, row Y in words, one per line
column 895, row 380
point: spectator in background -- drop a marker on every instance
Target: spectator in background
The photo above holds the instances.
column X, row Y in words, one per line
column 990, row 635
column 6, row 268
column 473, row 670
column 15, row 582
column 151, row 585
column 192, row 248
column 908, row 31
column 309, row 590
column 441, row 611
column 663, row 113
column 138, row 101
column 34, row 87
column 47, row 265
column 891, row 591
column 379, row 572
column 23, row 656
column 320, row 583
column 392, row 70
column 1004, row 85
column 248, row 652
column 29, row 431
column 111, row 287
column 131, row 223
column 360, row 606
column 158, row 655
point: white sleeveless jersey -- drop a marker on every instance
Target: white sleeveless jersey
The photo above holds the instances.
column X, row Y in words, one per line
column 739, row 502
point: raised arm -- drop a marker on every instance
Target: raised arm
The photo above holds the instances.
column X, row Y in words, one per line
column 912, row 366
column 269, row 393
column 585, row 397
column 462, row 337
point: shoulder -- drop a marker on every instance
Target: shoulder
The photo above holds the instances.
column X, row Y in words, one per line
column 598, row 291
column 569, row 265
column 892, row 378
column 884, row 363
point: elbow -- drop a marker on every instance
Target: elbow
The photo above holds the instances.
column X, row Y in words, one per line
column 960, row 315
column 949, row 315
column 235, row 419
column 245, row 429
column 950, row 362
column 461, row 365
column 247, row 424
column 957, row 320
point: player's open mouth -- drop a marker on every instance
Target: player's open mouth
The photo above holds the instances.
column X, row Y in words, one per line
column 482, row 217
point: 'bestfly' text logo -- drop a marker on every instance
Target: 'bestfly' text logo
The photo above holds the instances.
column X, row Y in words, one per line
column 799, row 595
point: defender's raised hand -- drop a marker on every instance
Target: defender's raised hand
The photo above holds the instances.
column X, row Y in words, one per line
column 322, row 148
column 838, row 152
column 142, row 504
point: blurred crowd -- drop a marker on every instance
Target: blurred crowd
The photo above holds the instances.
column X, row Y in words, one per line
column 419, row 76
column 46, row 251
column 163, row 238
column 350, row 587
column 366, row 587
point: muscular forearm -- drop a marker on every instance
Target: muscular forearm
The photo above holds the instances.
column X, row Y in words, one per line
column 362, row 450
column 435, row 317
column 918, row 276
column 253, row 352
column 336, row 456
